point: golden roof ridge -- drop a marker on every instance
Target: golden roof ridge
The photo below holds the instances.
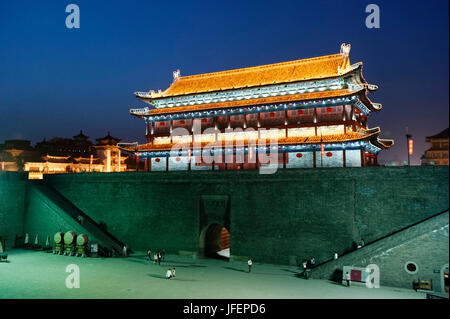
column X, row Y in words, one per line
column 263, row 66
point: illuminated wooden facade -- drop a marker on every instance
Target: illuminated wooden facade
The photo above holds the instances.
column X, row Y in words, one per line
column 305, row 113
column 437, row 154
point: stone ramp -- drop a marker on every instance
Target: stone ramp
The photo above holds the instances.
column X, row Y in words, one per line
column 332, row 270
column 72, row 214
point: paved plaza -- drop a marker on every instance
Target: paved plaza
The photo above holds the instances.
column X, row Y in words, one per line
column 30, row 274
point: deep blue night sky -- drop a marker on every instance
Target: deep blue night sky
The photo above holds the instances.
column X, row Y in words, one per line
column 55, row 81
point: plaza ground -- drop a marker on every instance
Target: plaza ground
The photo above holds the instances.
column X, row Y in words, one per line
column 30, row 274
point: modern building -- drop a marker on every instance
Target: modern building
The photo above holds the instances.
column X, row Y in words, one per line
column 299, row 114
column 437, row 154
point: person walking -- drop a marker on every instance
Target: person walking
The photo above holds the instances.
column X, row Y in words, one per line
column 347, row 278
column 125, row 251
column 305, row 269
column 169, row 274
column 155, row 258
column 149, row 255
column 159, row 258
column 335, row 255
column 173, row 272
column 250, row 263
column 312, row 262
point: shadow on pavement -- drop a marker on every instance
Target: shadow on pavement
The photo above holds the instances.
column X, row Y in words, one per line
column 173, row 279
column 183, row 279
column 236, row 269
column 158, row 276
column 289, row 270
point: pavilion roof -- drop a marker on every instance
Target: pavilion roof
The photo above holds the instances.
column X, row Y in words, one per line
column 251, row 102
column 303, row 97
column 108, row 140
column 440, row 135
column 369, row 134
column 277, row 73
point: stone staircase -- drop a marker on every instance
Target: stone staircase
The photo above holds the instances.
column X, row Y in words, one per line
column 74, row 214
column 332, row 269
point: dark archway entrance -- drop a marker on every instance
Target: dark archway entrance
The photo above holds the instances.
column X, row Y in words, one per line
column 215, row 242
column 444, row 279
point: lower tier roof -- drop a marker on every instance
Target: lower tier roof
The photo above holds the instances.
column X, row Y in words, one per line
column 371, row 134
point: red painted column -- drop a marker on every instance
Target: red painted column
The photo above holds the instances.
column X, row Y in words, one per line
column 344, row 158
column 137, row 162
column 189, row 159
column 363, row 158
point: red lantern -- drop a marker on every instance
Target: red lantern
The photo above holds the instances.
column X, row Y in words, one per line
column 157, row 160
column 410, row 147
column 178, row 159
column 182, row 122
column 329, row 154
column 204, row 120
column 272, row 114
column 329, row 109
column 299, row 155
column 357, row 111
column 162, row 124
column 300, row 112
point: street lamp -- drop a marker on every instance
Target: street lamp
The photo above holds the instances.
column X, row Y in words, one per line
column 409, row 145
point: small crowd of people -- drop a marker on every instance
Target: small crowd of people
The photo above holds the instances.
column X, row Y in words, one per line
column 158, row 256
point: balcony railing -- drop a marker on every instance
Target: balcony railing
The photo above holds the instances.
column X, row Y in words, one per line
column 143, row 94
column 139, row 111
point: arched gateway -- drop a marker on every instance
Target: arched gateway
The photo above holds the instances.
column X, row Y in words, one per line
column 214, row 242
column 214, row 227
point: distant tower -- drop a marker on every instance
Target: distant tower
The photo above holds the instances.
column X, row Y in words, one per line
column 109, row 153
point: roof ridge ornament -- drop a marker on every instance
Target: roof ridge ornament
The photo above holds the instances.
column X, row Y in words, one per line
column 176, row 75
column 345, row 49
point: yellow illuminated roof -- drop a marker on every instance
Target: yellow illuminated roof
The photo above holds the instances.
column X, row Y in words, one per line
column 284, row 72
column 250, row 102
column 349, row 136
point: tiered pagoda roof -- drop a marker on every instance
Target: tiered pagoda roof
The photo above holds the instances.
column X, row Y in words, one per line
column 370, row 134
column 440, row 135
column 107, row 140
column 194, row 88
column 305, row 83
column 277, row 73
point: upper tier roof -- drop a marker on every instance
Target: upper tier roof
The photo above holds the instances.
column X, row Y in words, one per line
column 440, row 135
column 284, row 72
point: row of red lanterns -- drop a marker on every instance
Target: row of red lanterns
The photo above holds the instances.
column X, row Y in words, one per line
column 299, row 155
column 328, row 154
